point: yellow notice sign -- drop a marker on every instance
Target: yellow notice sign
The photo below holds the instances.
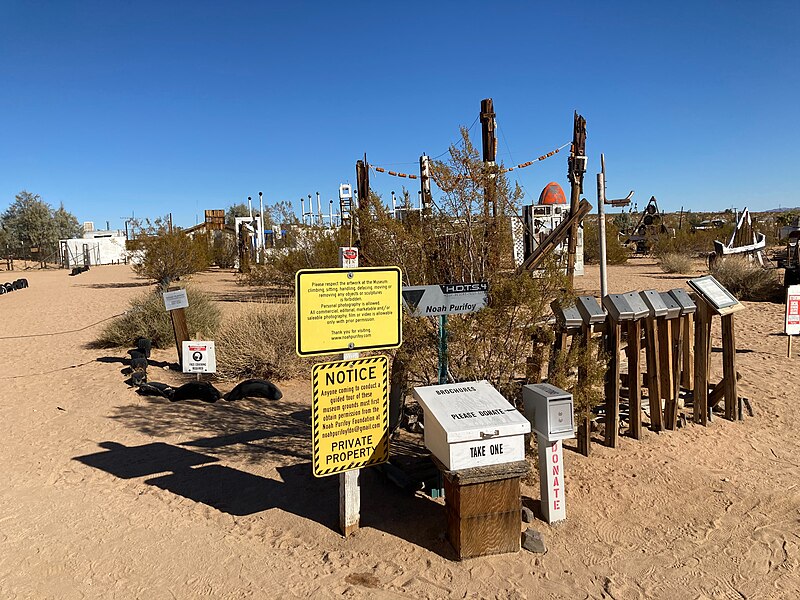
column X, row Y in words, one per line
column 350, row 414
column 347, row 310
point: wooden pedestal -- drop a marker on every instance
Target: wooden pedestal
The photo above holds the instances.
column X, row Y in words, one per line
column 483, row 508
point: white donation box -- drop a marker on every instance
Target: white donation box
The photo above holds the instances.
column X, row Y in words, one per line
column 471, row 424
column 550, row 411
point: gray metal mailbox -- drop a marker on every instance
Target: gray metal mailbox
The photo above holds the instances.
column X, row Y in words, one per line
column 549, row 410
column 654, row 302
column 567, row 316
column 618, row 307
column 590, row 310
column 681, row 297
column 673, row 308
column 635, row 301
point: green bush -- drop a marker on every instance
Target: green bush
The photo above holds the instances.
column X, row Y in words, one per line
column 616, row 253
column 260, row 342
column 690, row 243
column 168, row 255
column 148, row 318
column 748, row 280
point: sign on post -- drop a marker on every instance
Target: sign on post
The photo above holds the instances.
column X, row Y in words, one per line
column 350, row 414
column 445, row 299
column 199, row 357
column 176, row 299
column 792, row 323
column 348, row 310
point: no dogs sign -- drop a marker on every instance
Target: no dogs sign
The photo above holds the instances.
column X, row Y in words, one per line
column 199, row 357
column 350, row 414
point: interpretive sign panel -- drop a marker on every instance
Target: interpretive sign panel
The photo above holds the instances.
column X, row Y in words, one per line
column 792, row 324
column 176, row 299
column 445, row 299
column 348, row 310
column 713, row 292
column 350, row 414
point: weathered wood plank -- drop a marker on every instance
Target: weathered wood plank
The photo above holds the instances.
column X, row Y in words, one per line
column 634, row 378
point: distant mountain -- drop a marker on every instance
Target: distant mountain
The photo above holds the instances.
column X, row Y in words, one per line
column 780, row 210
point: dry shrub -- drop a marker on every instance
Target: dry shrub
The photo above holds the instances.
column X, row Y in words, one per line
column 260, row 343
column 676, row 263
column 690, row 243
column 148, row 318
column 748, row 280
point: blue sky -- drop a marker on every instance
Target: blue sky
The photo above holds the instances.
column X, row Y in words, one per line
column 156, row 107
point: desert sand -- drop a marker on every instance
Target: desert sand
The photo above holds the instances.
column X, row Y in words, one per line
column 106, row 494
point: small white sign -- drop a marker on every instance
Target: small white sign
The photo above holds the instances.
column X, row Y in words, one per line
column 199, row 357
column 348, row 257
column 176, row 299
column 445, row 299
column 792, row 323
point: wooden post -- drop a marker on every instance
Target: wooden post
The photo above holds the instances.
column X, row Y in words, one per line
column 613, row 339
column 489, row 142
column 701, row 357
column 729, row 366
column 672, row 363
column 575, row 170
column 665, row 367
column 179, row 326
column 653, row 376
column 349, row 481
column 635, row 378
column 584, row 421
column 789, row 346
column 687, row 358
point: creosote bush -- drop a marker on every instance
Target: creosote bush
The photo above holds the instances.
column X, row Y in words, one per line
column 148, row 318
column 616, row 252
column 168, row 254
column 588, row 392
column 748, row 280
column 676, row 263
column 260, row 343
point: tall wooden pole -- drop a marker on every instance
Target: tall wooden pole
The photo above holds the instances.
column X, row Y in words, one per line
column 489, row 143
column 362, row 180
column 576, row 169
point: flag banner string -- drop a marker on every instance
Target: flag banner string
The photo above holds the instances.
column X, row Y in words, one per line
column 508, row 170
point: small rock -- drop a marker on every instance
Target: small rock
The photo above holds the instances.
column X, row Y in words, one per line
column 532, row 541
column 527, row 515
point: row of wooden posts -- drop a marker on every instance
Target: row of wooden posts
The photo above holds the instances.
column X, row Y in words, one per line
column 677, row 344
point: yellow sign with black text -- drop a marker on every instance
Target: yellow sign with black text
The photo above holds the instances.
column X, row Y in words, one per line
column 350, row 414
column 348, row 310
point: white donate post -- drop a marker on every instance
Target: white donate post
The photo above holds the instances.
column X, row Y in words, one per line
column 550, row 411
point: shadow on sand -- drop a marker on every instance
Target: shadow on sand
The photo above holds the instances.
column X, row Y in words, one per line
column 251, row 432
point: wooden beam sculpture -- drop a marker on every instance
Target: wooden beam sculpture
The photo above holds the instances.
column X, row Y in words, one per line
column 554, row 238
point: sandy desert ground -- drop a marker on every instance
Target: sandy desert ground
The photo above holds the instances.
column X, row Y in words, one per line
column 106, row 494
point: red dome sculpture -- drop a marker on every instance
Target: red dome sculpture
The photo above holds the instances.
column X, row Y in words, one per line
column 552, row 194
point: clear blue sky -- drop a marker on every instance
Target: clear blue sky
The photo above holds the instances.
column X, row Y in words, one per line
column 152, row 107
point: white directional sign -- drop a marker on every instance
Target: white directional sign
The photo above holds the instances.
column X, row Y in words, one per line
column 446, row 299
column 176, row 299
column 199, row 357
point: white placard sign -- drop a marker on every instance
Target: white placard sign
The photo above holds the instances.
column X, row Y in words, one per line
column 199, row 357
column 176, row 299
column 445, row 299
column 792, row 323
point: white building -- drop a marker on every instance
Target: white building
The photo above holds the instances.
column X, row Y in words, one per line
column 96, row 247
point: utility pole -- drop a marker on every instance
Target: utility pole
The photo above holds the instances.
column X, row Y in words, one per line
column 576, row 167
